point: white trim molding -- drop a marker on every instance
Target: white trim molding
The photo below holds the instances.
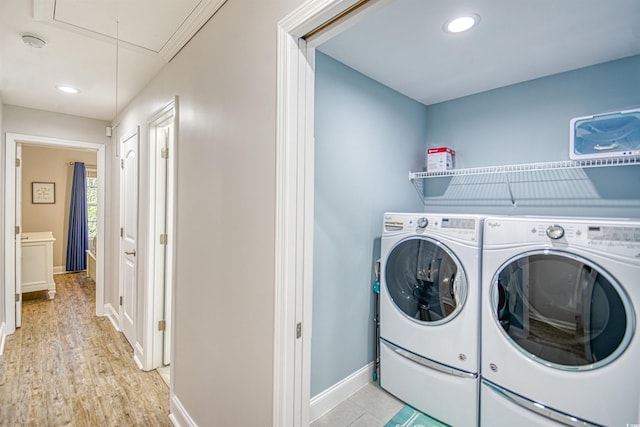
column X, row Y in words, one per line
column 190, row 26
column 11, row 141
column 138, row 355
column 113, row 315
column 178, row 415
column 3, row 336
column 339, row 392
column 160, row 266
column 294, row 205
column 294, row 209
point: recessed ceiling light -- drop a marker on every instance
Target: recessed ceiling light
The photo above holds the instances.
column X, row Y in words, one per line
column 32, row 40
column 461, row 23
column 67, row 89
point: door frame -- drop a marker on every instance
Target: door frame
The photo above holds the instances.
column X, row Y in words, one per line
column 12, row 139
column 298, row 35
column 17, row 247
column 156, row 300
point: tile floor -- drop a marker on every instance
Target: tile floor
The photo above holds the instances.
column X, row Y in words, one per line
column 370, row 406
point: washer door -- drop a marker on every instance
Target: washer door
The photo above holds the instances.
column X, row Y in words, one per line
column 425, row 280
column 561, row 310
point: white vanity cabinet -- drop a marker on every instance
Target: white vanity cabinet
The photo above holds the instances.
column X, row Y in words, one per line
column 37, row 262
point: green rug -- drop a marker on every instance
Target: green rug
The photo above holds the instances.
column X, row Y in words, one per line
column 409, row 417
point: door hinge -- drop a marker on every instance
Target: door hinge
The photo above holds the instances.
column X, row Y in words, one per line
column 17, row 229
column 121, row 163
column 163, row 239
column 18, row 162
column 299, row 330
column 164, row 153
column 17, row 297
column 162, row 325
column 120, row 300
column 121, row 232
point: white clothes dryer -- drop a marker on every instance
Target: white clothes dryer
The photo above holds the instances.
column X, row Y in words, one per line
column 560, row 301
column 429, row 313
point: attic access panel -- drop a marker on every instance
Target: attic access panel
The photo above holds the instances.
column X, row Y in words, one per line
column 149, row 24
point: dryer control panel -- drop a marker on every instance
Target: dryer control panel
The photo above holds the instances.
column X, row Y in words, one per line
column 615, row 237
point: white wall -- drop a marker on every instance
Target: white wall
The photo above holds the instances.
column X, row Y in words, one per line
column 55, row 125
column 225, row 79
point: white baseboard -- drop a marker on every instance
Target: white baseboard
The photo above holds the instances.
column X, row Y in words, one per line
column 2, row 337
column 113, row 316
column 339, row 392
column 138, row 355
column 59, row 269
column 178, row 415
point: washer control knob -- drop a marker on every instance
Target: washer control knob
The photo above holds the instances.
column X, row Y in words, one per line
column 423, row 222
column 555, row 232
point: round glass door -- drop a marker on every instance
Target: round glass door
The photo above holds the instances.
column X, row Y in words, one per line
column 561, row 310
column 425, row 281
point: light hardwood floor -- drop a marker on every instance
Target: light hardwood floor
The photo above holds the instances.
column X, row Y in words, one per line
column 65, row 366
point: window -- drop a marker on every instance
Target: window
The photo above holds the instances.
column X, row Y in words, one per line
column 92, row 202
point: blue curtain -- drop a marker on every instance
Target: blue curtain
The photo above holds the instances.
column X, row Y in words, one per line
column 78, row 238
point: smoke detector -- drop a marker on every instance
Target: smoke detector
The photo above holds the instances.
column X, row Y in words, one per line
column 33, row 41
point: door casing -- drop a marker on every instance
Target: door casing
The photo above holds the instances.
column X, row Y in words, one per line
column 322, row 19
column 159, row 291
column 12, row 142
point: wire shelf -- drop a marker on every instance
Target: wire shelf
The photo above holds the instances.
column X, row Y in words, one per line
column 562, row 183
column 530, row 167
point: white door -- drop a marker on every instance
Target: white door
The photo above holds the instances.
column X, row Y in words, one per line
column 162, row 231
column 18, row 235
column 169, row 147
column 128, row 234
column 163, row 281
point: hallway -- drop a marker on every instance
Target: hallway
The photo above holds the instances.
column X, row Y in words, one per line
column 65, row 366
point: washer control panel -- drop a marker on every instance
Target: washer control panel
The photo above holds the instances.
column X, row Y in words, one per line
column 467, row 228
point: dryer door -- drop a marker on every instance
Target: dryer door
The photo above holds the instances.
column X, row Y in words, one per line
column 561, row 310
column 425, row 281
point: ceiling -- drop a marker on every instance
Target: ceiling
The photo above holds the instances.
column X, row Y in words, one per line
column 403, row 46
column 85, row 42
column 400, row 44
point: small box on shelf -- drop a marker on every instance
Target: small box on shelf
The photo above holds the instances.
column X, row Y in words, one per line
column 440, row 159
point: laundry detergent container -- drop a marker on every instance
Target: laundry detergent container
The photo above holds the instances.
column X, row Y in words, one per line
column 609, row 135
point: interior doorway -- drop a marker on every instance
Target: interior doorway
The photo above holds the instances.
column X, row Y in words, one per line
column 162, row 126
column 298, row 36
column 13, row 211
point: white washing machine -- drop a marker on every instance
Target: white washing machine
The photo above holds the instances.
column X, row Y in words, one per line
column 560, row 301
column 429, row 313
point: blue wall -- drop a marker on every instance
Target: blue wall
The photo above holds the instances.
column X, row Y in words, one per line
column 529, row 123
column 367, row 138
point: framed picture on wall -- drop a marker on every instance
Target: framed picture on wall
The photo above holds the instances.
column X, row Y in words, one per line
column 43, row 192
